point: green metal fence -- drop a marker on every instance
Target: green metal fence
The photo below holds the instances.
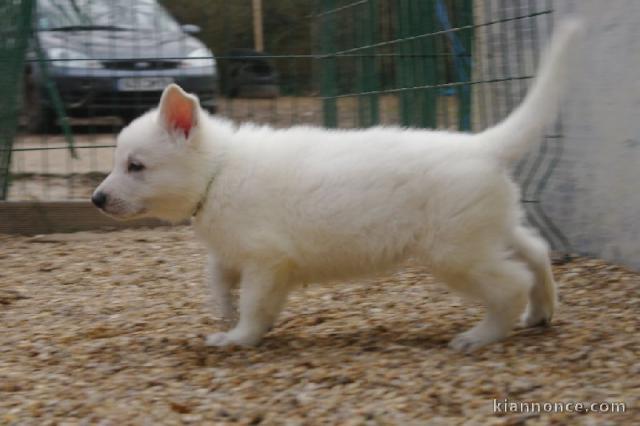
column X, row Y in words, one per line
column 403, row 55
column 457, row 64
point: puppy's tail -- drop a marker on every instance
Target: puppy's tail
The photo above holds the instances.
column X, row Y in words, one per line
column 509, row 139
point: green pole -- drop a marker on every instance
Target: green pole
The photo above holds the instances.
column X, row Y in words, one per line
column 403, row 62
column 464, row 92
column 328, row 89
column 427, row 60
column 369, row 107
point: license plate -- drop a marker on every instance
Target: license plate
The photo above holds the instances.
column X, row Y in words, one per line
column 143, row 84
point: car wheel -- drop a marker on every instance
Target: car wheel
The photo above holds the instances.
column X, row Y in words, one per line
column 36, row 117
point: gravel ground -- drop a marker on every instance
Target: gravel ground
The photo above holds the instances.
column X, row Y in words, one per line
column 107, row 328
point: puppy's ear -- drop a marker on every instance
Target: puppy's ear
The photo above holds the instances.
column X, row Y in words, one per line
column 178, row 111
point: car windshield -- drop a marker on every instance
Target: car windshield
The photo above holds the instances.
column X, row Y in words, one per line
column 114, row 15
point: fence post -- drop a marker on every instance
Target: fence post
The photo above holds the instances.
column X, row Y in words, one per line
column 403, row 63
column 464, row 92
column 369, row 109
column 329, row 85
column 424, row 24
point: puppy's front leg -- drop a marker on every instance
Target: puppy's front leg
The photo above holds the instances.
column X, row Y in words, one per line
column 220, row 282
column 261, row 300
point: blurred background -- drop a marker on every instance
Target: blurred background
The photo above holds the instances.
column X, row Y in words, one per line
column 76, row 71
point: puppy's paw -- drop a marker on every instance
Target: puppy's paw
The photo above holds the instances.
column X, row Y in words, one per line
column 464, row 343
column 535, row 318
column 232, row 338
column 472, row 340
column 218, row 340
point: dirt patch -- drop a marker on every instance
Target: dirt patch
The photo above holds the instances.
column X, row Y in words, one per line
column 108, row 328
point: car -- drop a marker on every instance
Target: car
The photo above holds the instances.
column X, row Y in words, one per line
column 111, row 58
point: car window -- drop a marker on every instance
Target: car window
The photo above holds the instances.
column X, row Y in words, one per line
column 139, row 15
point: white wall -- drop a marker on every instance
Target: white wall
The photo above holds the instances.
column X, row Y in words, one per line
column 594, row 194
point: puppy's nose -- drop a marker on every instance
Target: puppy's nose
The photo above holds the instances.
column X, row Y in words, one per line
column 99, row 199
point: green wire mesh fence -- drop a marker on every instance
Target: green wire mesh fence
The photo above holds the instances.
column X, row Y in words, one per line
column 15, row 21
column 75, row 71
column 397, row 61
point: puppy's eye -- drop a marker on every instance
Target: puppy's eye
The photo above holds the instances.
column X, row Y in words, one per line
column 134, row 166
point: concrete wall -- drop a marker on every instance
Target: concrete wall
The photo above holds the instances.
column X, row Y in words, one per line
column 594, row 194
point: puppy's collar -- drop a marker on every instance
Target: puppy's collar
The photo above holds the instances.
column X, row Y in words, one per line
column 203, row 198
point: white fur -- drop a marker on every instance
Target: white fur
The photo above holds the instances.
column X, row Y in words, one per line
column 285, row 207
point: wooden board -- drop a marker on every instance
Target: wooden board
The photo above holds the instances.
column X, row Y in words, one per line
column 31, row 218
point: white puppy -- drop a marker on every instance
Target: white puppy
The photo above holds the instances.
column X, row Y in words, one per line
column 278, row 208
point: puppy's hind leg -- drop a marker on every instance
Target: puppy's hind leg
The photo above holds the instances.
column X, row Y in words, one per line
column 262, row 297
column 220, row 281
column 503, row 285
column 542, row 298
